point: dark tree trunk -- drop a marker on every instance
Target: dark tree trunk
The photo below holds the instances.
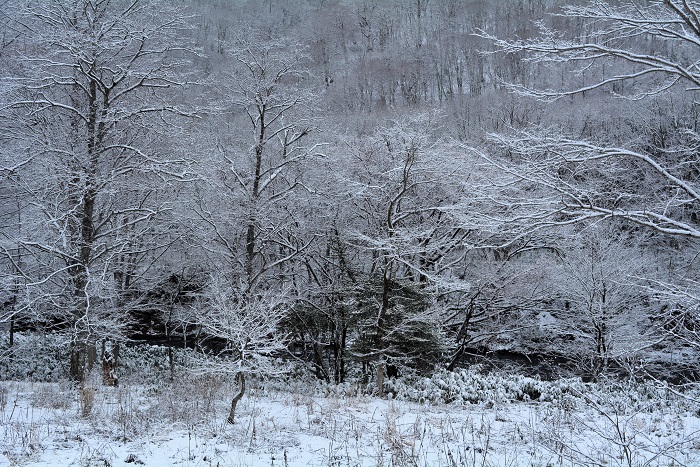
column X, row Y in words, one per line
column 78, row 355
column 110, row 360
column 83, row 356
column 240, row 377
column 455, row 358
column 379, row 335
column 12, row 332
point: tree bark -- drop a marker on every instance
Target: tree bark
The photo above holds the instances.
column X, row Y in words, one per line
column 77, row 362
column 12, row 332
column 109, row 364
column 240, row 377
column 455, row 358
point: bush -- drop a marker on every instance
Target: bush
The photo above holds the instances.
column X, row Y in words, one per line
column 35, row 357
column 469, row 386
column 44, row 358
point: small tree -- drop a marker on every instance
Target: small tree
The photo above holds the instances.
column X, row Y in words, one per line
column 410, row 332
column 242, row 334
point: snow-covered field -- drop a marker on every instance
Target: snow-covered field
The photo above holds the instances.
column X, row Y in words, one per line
column 183, row 423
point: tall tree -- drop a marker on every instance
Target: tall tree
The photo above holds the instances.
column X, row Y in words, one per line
column 256, row 215
column 263, row 167
column 630, row 51
column 642, row 167
column 88, row 114
column 402, row 183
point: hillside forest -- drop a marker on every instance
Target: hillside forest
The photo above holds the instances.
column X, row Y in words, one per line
column 352, row 190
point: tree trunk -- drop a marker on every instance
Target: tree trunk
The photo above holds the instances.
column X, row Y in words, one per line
column 171, row 362
column 91, row 355
column 12, row 332
column 77, row 362
column 110, row 359
column 343, row 344
column 379, row 335
column 83, row 355
column 171, row 352
column 240, row 377
column 455, row 358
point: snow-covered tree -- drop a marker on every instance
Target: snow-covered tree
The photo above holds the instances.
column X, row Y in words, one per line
column 261, row 172
column 243, row 334
column 629, row 50
column 402, row 183
column 627, row 152
column 606, row 312
column 86, row 118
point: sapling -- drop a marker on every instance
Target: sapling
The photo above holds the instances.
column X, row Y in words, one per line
column 248, row 327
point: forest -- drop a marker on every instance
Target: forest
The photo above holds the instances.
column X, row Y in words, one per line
column 351, row 193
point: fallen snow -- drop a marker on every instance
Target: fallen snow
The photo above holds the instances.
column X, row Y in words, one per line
column 184, row 424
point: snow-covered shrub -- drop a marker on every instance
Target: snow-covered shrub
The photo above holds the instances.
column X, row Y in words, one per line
column 34, row 357
column 149, row 364
column 44, row 357
column 469, row 386
column 628, row 396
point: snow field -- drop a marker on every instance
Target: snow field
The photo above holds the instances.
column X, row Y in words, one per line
column 183, row 423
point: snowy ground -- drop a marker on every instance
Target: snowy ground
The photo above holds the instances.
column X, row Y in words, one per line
column 184, row 424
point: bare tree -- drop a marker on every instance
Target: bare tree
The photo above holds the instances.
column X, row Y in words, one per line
column 253, row 207
column 638, row 52
column 88, row 156
column 574, row 180
column 651, row 44
column 262, row 169
column 605, row 312
column 644, row 174
column 249, row 328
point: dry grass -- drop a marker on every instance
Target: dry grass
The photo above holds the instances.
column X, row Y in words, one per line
column 343, row 431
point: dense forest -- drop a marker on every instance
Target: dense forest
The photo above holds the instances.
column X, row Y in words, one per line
column 354, row 189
